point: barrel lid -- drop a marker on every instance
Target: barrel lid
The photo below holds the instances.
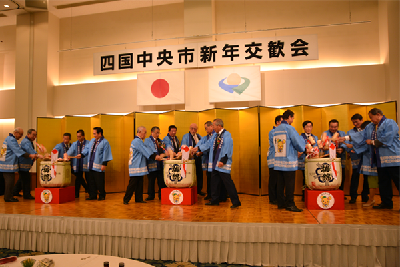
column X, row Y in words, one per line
column 178, row 161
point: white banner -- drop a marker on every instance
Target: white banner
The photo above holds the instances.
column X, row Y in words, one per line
column 195, row 55
column 161, row 88
column 234, row 84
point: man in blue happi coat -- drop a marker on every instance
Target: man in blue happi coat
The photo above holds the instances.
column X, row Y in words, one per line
column 9, row 154
column 79, row 166
column 138, row 155
column 273, row 179
column 155, row 167
column 98, row 153
column 382, row 138
column 63, row 147
column 25, row 164
column 357, row 120
column 287, row 142
column 340, row 149
column 307, row 126
column 191, row 139
column 171, row 141
column 220, row 149
column 208, row 126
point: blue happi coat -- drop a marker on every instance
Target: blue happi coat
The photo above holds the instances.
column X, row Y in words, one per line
column 187, row 139
column 73, row 151
column 362, row 149
column 204, row 160
column 168, row 143
column 101, row 155
column 138, row 153
column 387, row 155
column 225, row 149
column 25, row 164
column 355, row 158
column 271, row 150
column 10, row 151
column 343, row 155
column 302, row 159
column 61, row 149
column 287, row 142
column 154, row 165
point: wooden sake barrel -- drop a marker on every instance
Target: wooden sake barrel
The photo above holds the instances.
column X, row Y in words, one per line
column 319, row 173
column 173, row 173
column 55, row 174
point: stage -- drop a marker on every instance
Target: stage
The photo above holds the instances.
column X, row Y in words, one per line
column 257, row 233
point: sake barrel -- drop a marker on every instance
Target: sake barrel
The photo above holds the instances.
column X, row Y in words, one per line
column 178, row 174
column 319, row 173
column 55, row 174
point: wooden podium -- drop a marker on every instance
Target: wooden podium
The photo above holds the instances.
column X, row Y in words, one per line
column 179, row 196
column 54, row 195
column 324, row 199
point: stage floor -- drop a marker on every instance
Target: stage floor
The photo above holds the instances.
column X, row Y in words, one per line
column 254, row 209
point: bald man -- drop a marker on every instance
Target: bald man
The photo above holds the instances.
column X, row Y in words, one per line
column 191, row 139
column 9, row 153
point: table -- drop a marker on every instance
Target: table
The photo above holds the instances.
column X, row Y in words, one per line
column 78, row 260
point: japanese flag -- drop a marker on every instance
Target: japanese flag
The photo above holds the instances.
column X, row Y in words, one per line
column 161, row 88
column 234, row 84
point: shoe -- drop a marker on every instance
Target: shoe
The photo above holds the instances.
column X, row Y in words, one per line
column 294, row 209
column 274, row 202
column 364, row 199
column 101, row 198
column 149, row 198
column 126, row 203
column 202, row 194
column 12, row 200
column 207, row 197
column 369, row 204
column 29, row 197
column 17, row 195
column 91, row 198
column 140, row 201
column 352, row 201
column 236, row 206
column 382, row 207
column 212, row 204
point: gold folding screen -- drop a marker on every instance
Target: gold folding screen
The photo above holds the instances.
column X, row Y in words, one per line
column 249, row 128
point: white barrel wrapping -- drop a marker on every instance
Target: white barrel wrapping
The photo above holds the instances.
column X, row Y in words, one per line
column 173, row 173
column 55, row 174
column 319, row 173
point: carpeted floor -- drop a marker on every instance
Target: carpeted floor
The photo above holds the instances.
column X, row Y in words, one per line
column 4, row 252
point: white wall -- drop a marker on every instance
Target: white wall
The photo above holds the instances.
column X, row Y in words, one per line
column 7, row 57
column 349, row 68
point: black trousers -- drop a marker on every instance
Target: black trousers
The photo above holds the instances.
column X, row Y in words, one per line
column 272, row 185
column 341, row 187
column 2, row 184
column 24, row 184
column 286, row 183
column 96, row 182
column 199, row 174
column 216, row 178
column 385, row 176
column 355, row 180
column 222, row 192
column 9, row 179
column 135, row 186
column 79, row 180
column 152, row 176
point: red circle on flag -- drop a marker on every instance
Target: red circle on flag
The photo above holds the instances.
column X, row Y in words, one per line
column 160, row 88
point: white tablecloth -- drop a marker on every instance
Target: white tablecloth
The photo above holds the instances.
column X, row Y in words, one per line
column 78, row 260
